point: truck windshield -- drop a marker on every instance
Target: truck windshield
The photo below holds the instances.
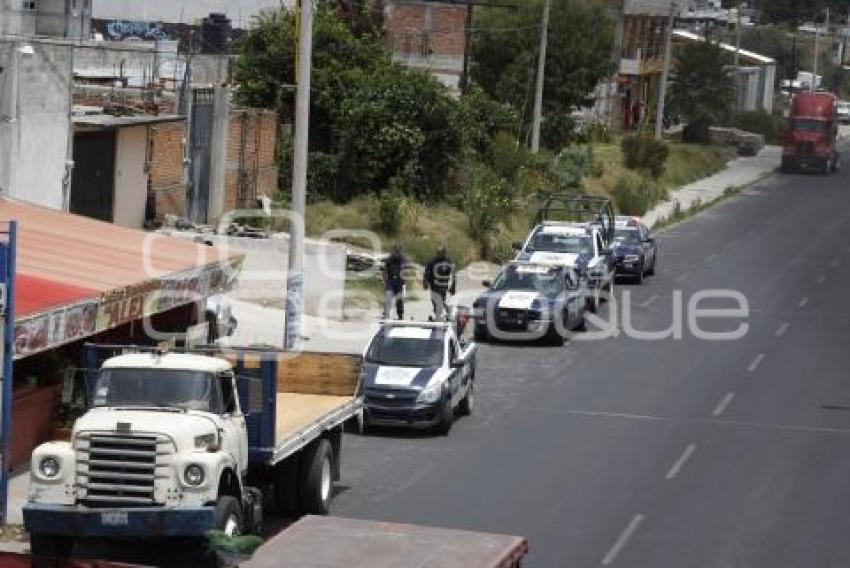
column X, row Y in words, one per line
column 406, row 352
column 570, row 244
column 547, row 283
column 186, row 390
column 814, row 126
column 627, row 236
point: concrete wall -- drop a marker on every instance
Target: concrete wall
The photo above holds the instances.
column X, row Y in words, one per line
column 50, row 18
column 131, row 179
column 183, row 11
column 35, row 119
column 263, row 276
column 14, row 19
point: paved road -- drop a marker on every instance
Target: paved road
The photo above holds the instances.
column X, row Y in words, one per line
column 671, row 453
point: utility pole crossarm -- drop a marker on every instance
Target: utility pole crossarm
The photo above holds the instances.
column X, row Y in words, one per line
column 541, row 75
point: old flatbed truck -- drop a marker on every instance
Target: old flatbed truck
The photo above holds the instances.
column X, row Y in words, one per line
column 323, row 542
column 176, row 444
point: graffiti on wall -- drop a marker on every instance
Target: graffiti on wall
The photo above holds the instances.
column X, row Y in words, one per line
column 126, row 30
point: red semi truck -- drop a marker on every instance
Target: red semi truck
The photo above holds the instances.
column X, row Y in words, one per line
column 812, row 134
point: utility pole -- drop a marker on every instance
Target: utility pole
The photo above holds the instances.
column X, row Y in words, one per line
column 541, row 72
column 813, row 86
column 738, row 60
column 665, row 73
column 295, row 274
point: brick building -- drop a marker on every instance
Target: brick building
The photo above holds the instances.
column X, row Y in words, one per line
column 166, row 170
column 428, row 35
column 251, row 170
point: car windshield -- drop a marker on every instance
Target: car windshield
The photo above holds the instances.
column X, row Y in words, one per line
column 562, row 243
column 390, row 350
column 627, row 236
column 803, row 125
column 548, row 283
column 157, row 388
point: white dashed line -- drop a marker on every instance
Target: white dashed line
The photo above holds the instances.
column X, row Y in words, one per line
column 680, row 463
column 756, row 362
column 821, row 279
column 723, row 404
column 782, row 329
column 682, row 277
column 803, row 302
column 648, row 302
column 622, row 540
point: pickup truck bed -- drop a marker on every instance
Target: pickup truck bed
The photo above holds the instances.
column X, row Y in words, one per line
column 296, row 412
column 330, row 542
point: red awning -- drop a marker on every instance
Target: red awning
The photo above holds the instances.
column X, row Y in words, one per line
column 78, row 276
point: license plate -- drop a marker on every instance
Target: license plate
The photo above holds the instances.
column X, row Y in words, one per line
column 113, row 518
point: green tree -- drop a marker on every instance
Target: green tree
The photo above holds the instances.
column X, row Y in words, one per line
column 372, row 121
column 579, row 55
column 702, row 89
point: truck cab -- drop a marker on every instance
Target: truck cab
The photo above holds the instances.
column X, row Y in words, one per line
column 810, row 141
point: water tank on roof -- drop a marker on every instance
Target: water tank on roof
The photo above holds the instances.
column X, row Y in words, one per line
column 215, row 34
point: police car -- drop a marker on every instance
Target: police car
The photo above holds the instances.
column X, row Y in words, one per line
column 579, row 246
column 635, row 251
column 418, row 374
column 530, row 301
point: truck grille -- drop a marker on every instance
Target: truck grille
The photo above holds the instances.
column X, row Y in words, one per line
column 391, row 398
column 120, row 470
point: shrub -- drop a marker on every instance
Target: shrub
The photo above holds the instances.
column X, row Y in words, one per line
column 507, row 155
column 635, row 196
column 642, row 152
column 390, row 211
column 761, row 122
column 572, row 165
column 487, row 199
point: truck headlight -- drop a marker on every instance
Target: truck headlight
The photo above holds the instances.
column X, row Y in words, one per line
column 49, row 467
column 206, row 442
column 194, row 475
column 431, row 394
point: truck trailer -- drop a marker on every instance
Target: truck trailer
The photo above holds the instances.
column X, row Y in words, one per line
column 176, row 444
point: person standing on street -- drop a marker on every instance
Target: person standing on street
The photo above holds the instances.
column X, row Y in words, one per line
column 392, row 273
column 439, row 278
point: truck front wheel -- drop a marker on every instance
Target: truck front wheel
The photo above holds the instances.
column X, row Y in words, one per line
column 317, row 479
column 51, row 546
column 228, row 515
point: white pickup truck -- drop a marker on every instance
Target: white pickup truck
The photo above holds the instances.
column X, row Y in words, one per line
column 178, row 444
column 418, row 374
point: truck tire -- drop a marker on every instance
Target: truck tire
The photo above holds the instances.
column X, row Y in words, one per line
column 467, row 405
column 480, row 334
column 640, row 274
column 50, row 547
column 651, row 271
column 317, row 479
column 447, row 417
column 228, row 515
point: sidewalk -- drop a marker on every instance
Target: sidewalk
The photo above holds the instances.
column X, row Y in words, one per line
column 740, row 172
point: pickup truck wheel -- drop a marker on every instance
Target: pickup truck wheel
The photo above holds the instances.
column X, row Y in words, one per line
column 640, row 273
column 228, row 515
column 51, row 546
column 467, row 405
column 317, row 479
column 651, row 270
column 447, row 418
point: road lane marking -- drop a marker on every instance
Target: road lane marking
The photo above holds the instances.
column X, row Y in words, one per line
column 756, row 362
column 680, row 463
column 803, row 302
column 821, row 279
column 782, row 329
column 723, row 404
column 682, row 277
column 622, row 540
column 648, row 302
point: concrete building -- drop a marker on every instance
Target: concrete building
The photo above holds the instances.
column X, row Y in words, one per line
column 241, row 13
column 46, row 18
column 430, row 36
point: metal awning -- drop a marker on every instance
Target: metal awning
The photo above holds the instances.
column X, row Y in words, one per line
column 77, row 276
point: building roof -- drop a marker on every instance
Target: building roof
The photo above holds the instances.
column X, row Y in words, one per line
column 77, row 276
column 111, row 121
column 748, row 55
column 168, row 361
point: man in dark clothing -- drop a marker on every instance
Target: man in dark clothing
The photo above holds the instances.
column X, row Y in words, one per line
column 439, row 278
column 392, row 272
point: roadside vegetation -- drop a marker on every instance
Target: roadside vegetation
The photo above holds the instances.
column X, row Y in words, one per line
column 393, row 152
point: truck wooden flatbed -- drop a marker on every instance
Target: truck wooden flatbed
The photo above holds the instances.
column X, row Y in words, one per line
column 330, row 542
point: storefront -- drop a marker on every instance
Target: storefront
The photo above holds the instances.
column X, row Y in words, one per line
column 80, row 280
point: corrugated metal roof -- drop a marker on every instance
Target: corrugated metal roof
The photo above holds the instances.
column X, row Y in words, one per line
column 751, row 55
